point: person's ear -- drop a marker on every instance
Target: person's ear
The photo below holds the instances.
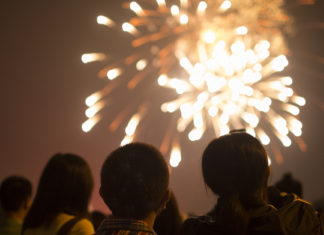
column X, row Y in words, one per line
column 27, row 203
column 167, row 197
column 164, row 200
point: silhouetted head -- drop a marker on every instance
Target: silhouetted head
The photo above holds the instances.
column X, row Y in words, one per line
column 15, row 193
column 134, row 180
column 65, row 186
column 235, row 163
column 290, row 185
column 287, row 175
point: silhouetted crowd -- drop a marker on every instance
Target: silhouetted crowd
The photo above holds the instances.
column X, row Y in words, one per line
column 135, row 187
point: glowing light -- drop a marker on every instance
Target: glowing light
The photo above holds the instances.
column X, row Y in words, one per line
column 185, row 63
column 250, row 131
column 218, row 60
column 198, row 121
column 113, row 73
column 224, row 118
column 294, row 123
column 288, row 92
column 91, row 57
column 213, row 111
column 175, row 157
column 281, row 125
column 93, row 110
column 202, row 97
column 184, row 19
column 90, row 123
column 285, row 140
column 179, row 85
column 127, row 27
column 279, row 63
column 215, row 100
column 161, row 3
column 126, row 140
column 169, row 107
column 103, row 20
column 141, row 65
column 224, row 130
column 292, row 109
column 251, row 57
column 209, row 37
column 297, row 132
column 134, row 6
column 162, row 80
column 195, row 134
column 242, row 30
column 186, row 110
column 215, row 84
column 202, row 6
column 251, row 119
column 90, row 112
column 262, row 46
column 282, row 97
column 196, row 78
column 264, row 138
column 276, row 85
column 132, row 125
column 238, row 47
column 249, row 76
column 91, row 100
column 257, row 67
column 175, row 10
column 230, row 108
column 226, row 5
column 299, row 100
column 287, row 81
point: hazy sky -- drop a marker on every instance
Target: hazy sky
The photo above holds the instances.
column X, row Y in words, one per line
column 44, row 84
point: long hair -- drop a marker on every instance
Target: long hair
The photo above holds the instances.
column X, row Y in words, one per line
column 65, row 186
column 169, row 221
column 235, row 167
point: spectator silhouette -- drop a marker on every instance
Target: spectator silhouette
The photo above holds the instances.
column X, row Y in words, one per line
column 290, row 185
column 134, row 185
column 15, row 198
column 297, row 216
column 235, row 167
column 62, row 197
column 169, row 221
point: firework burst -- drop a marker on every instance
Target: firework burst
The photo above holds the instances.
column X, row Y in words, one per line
column 225, row 60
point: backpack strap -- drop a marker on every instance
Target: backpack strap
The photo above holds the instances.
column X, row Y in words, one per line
column 65, row 229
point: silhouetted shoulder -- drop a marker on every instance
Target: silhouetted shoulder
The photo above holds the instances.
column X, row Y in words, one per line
column 263, row 221
column 298, row 216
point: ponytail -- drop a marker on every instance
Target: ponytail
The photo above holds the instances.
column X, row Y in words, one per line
column 232, row 215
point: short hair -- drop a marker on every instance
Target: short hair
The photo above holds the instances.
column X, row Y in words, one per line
column 65, row 186
column 235, row 163
column 134, row 179
column 14, row 191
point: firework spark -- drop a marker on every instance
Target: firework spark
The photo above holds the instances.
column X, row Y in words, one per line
column 224, row 59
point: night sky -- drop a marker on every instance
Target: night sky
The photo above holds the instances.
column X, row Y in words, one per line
column 44, row 84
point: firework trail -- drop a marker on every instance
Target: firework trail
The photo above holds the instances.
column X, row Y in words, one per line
column 225, row 60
